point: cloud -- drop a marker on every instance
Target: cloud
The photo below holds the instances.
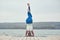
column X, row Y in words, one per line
column 42, row 10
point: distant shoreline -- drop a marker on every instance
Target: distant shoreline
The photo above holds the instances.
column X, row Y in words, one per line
column 36, row 25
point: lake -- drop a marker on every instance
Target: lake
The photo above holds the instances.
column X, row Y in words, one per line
column 21, row 32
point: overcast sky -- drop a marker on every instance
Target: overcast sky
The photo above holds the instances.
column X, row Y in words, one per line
column 42, row 10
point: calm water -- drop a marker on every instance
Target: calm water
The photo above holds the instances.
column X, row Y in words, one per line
column 21, row 32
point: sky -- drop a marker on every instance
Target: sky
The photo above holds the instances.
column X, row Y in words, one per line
column 41, row 10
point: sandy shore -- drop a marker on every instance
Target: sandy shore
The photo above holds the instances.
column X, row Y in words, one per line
column 30, row 38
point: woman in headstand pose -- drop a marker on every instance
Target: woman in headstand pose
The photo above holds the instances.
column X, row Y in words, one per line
column 29, row 21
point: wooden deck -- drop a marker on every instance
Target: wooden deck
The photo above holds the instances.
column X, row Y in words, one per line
column 29, row 38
